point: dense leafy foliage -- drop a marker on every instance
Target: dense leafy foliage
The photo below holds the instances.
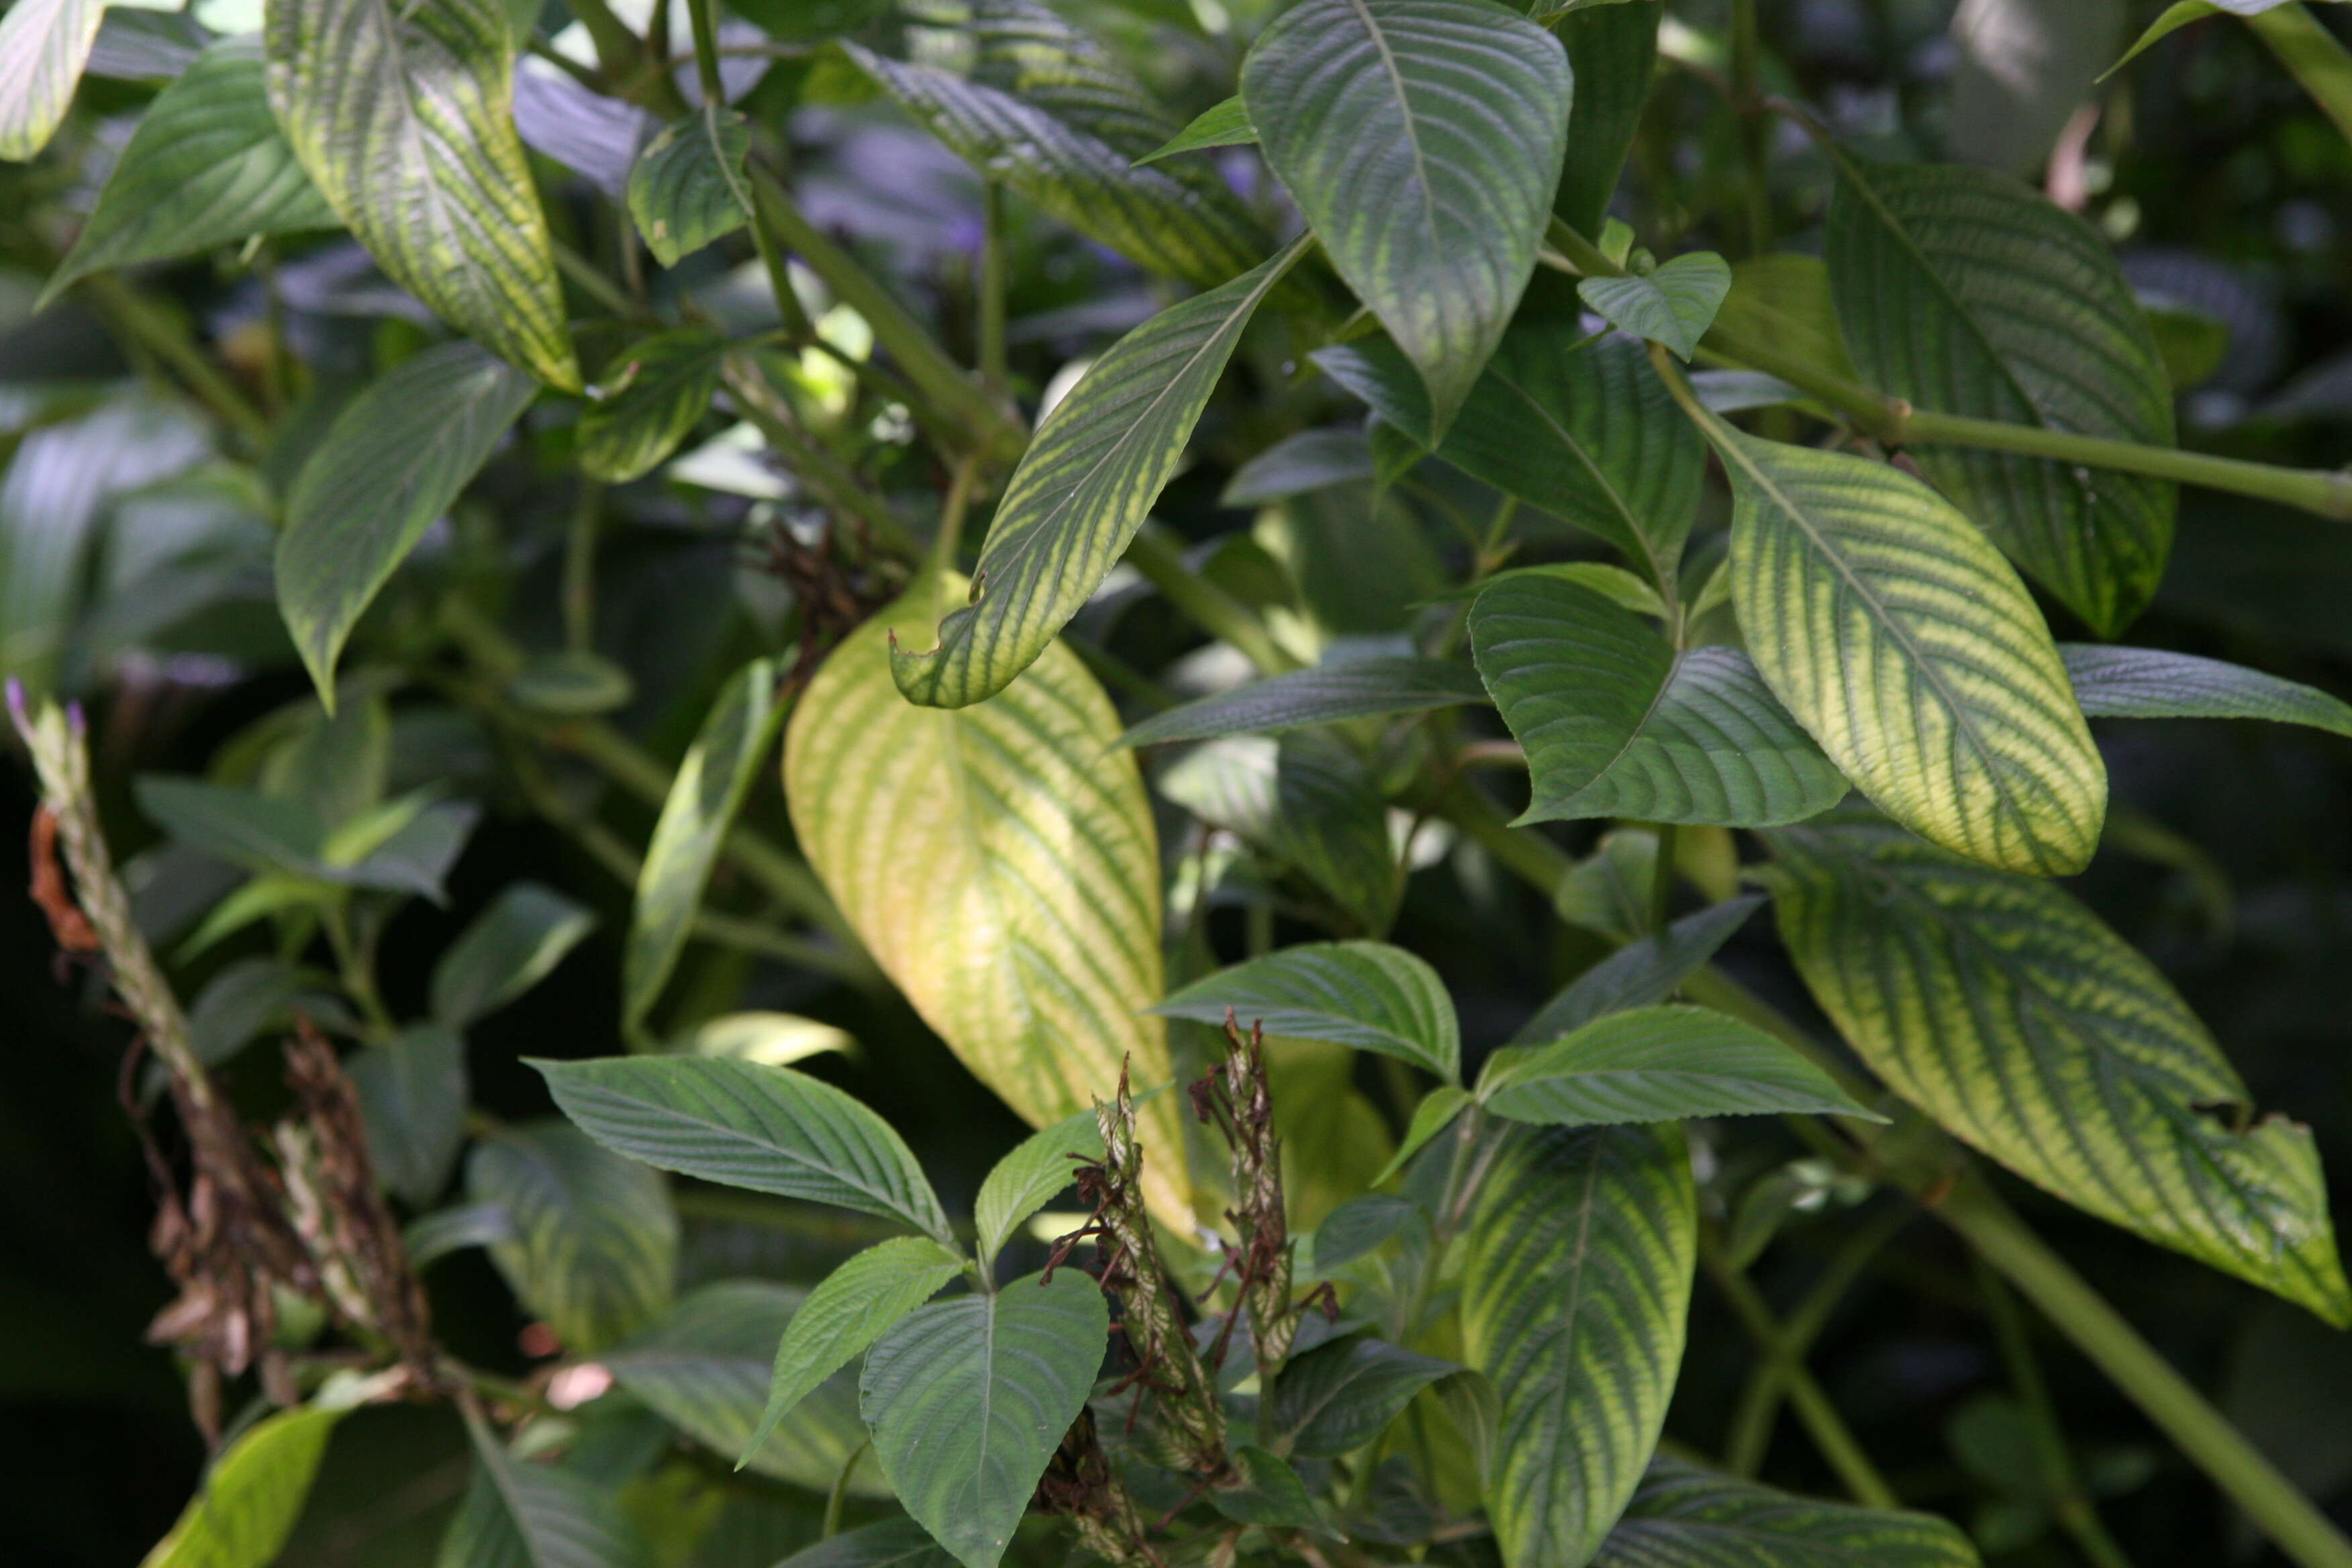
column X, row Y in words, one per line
column 991, row 782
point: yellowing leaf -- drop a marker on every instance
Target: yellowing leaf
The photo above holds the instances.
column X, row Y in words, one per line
column 403, row 118
column 1000, row 864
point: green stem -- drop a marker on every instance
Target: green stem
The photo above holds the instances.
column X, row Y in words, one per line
column 705, row 51
column 580, row 567
column 1760, row 1401
column 1746, row 105
column 358, row 974
column 2298, row 1529
column 2070, row 1503
column 961, row 404
column 782, row 876
column 161, row 333
column 1208, row 607
column 992, row 374
column 2201, row 1432
column 1827, row 1428
column 810, row 461
column 1895, row 423
column 2304, row 46
column 1661, row 877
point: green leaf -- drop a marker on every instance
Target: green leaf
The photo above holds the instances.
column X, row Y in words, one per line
column 689, row 188
column 571, row 683
column 43, row 47
column 1685, row 1517
column 2010, row 1014
column 512, row 945
column 1658, row 1064
column 1580, row 427
column 1433, row 1116
column 1612, row 50
column 2191, row 343
column 1422, row 139
column 1965, row 292
column 1908, row 648
column 746, row 1124
column 854, row 1306
column 594, row 1248
column 403, row 119
column 1357, row 1228
column 519, row 1513
column 893, row 1543
column 241, row 826
column 1309, row 460
column 1613, row 583
column 1674, row 304
column 704, row 1368
column 712, row 780
column 391, row 462
column 1640, row 975
column 1344, row 689
column 1574, row 1299
column 969, row 1398
column 1092, row 472
column 1184, row 228
column 647, row 401
column 1782, row 302
column 1339, row 1396
column 1307, row 802
column 1616, row 723
column 1002, row 868
column 1225, row 124
column 1044, row 1165
column 252, row 1497
column 2175, row 18
column 1366, row 994
column 1266, row 1491
column 205, row 167
column 2149, row 683
column 411, row 1091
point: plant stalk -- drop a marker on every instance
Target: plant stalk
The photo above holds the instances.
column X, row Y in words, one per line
column 977, row 421
column 2304, row 46
column 2283, row 1514
column 1895, row 423
column 1208, row 607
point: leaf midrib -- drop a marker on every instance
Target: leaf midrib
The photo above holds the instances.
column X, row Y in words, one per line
column 1411, row 131
column 1592, row 467
column 1902, row 234
column 1964, row 718
column 1020, row 549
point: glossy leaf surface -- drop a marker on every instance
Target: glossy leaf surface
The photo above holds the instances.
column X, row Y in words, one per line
column 1577, row 426
column 747, row 1124
column 393, row 462
column 206, row 166
column 1091, row 473
column 1350, row 688
column 1000, row 867
column 1673, row 304
column 1422, row 139
column 2151, row 683
column 708, row 789
column 704, row 1367
column 1658, row 1064
column 403, row 119
column 1966, row 292
column 969, row 1398
column 252, row 1497
column 1367, row 995
column 1899, row 637
column 2009, row 1012
column 1615, row 723
column 591, row 1243
column 1573, row 1301
column 689, row 188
